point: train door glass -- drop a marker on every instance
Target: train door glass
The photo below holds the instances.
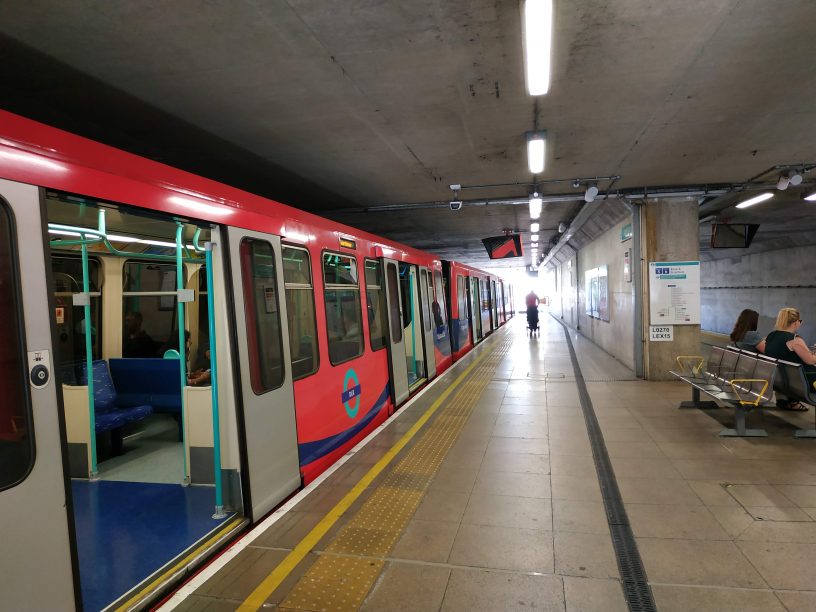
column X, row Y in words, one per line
column 475, row 310
column 412, row 324
column 397, row 340
column 265, row 365
column 495, row 300
column 426, row 296
column 70, row 319
column 484, row 305
column 33, row 502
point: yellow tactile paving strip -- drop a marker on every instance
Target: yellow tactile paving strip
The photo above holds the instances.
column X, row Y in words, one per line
column 343, row 575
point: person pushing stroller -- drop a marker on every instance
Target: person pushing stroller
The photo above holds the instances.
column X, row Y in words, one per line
column 532, row 311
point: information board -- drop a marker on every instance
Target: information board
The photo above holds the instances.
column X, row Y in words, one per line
column 674, row 293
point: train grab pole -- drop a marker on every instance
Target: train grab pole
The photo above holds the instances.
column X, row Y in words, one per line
column 219, row 500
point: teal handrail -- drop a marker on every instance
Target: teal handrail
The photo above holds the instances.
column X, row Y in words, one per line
column 86, row 290
column 182, row 342
column 219, row 501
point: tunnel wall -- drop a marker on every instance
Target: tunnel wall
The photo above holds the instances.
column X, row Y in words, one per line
column 764, row 281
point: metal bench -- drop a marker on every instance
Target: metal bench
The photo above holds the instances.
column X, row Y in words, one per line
column 792, row 383
column 739, row 380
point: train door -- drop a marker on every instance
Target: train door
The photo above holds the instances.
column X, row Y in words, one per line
column 475, row 309
column 266, row 376
column 426, row 295
column 412, row 323
column 32, row 477
column 396, row 339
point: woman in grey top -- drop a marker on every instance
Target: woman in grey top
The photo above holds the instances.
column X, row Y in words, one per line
column 745, row 335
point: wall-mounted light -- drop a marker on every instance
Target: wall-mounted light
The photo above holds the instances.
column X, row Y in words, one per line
column 538, row 18
column 534, row 228
column 783, row 182
column 755, row 200
column 536, row 151
column 535, row 206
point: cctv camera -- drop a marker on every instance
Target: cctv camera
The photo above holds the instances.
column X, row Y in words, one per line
column 456, row 204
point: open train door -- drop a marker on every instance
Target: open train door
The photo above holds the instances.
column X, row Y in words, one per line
column 36, row 567
column 272, row 465
column 475, row 309
column 426, row 297
column 396, row 338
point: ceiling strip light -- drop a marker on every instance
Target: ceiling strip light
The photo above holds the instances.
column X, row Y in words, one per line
column 755, row 200
column 811, row 197
column 538, row 18
column 534, row 228
column 536, row 151
column 535, row 206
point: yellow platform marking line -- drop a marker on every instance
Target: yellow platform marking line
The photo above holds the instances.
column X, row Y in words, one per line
column 257, row 598
column 143, row 593
column 340, row 579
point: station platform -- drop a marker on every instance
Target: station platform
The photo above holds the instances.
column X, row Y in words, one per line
column 483, row 493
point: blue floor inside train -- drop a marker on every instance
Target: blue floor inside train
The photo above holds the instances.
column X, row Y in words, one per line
column 128, row 530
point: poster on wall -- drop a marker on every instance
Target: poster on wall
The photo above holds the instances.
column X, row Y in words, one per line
column 674, row 293
column 596, row 288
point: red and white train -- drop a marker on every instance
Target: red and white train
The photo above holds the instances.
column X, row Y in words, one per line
column 317, row 331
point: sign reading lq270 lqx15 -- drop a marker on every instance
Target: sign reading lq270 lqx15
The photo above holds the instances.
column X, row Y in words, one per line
column 674, row 292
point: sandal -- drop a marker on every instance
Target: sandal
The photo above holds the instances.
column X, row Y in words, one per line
column 795, row 407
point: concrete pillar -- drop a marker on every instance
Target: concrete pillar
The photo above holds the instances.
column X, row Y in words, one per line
column 670, row 232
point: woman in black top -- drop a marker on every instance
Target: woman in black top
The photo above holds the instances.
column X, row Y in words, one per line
column 783, row 343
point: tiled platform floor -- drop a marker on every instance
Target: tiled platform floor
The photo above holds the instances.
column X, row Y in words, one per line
column 513, row 519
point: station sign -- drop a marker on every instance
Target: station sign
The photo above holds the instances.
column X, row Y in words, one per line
column 661, row 333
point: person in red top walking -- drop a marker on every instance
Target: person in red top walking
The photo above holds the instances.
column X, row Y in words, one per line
column 532, row 310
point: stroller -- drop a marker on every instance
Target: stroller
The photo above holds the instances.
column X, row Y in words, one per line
column 532, row 321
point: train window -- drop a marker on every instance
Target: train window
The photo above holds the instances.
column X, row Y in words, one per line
column 394, row 314
column 461, row 295
column 262, row 311
column 406, row 293
column 375, row 296
column 300, row 311
column 70, row 319
column 439, row 306
column 343, row 317
column 149, row 308
column 16, row 439
column 423, row 278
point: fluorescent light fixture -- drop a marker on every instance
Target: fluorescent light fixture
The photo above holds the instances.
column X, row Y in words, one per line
column 538, row 18
column 535, row 206
column 811, row 197
column 534, row 238
column 200, row 207
column 755, row 200
column 536, row 151
column 534, row 228
column 63, row 233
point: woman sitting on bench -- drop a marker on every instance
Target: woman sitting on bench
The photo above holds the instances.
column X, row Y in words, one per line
column 783, row 343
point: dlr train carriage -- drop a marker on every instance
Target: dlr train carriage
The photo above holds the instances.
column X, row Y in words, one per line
column 180, row 356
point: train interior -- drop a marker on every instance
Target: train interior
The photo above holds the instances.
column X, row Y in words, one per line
column 137, row 438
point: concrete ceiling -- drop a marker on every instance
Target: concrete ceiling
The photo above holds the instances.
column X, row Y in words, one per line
column 346, row 107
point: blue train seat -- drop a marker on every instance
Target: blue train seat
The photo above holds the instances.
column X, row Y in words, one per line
column 109, row 412
column 152, row 381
